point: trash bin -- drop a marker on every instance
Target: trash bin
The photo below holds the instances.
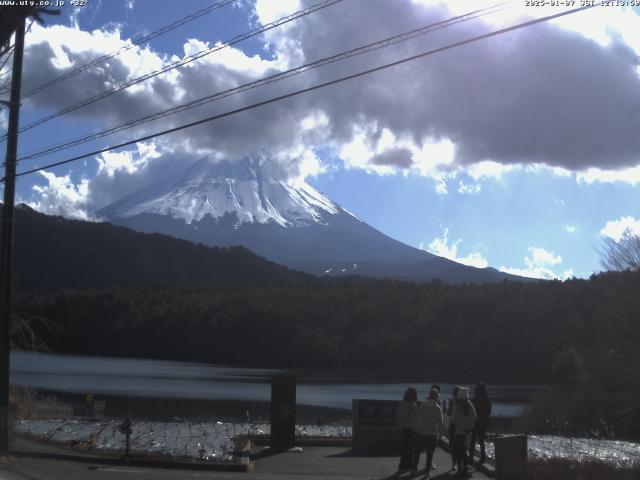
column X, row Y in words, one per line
column 511, row 457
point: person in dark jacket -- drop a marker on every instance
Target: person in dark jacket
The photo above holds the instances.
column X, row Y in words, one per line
column 482, row 405
column 442, row 401
column 406, row 422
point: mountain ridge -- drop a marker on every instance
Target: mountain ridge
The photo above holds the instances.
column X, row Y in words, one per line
column 228, row 203
column 53, row 253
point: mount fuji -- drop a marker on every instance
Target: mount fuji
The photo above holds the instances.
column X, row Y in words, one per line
column 228, row 203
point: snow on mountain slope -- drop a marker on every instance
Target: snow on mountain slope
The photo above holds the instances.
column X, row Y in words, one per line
column 242, row 203
column 241, row 188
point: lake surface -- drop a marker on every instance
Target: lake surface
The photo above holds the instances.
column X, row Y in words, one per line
column 183, row 380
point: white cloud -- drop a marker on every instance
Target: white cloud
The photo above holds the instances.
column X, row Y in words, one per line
column 600, row 24
column 538, row 265
column 434, row 157
column 374, row 154
column 615, row 229
column 625, row 175
column 356, row 154
column 231, row 58
column 489, row 169
column 543, row 168
column 128, row 161
column 384, row 154
column 468, row 188
column 310, row 164
column 561, row 172
column 441, row 247
column 441, row 186
column 60, row 196
column 314, row 120
column 406, row 120
column 64, row 41
column 269, row 11
column 540, row 256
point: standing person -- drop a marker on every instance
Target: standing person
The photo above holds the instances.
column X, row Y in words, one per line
column 464, row 418
column 405, row 421
column 428, row 424
column 482, row 405
column 442, row 401
column 452, row 427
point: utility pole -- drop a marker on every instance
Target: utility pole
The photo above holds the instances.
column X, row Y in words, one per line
column 7, row 237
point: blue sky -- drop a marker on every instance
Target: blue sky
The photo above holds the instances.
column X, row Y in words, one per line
column 520, row 153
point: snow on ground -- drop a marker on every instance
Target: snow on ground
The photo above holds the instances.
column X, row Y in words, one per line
column 213, row 441
column 614, row 452
column 207, row 441
column 302, row 431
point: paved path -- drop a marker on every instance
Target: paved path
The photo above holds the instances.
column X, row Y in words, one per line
column 339, row 462
column 331, row 463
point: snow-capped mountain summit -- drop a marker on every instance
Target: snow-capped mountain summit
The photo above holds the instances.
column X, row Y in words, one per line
column 217, row 189
column 245, row 203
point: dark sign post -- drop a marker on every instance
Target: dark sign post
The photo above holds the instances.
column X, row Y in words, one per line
column 283, row 411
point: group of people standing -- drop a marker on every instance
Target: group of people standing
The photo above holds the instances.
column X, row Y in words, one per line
column 464, row 421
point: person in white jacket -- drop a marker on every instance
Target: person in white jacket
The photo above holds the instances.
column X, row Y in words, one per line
column 429, row 423
column 464, row 418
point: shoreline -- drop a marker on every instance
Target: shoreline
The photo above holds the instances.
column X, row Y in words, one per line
column 311, row 374
column 51, row 404
column 177, row 409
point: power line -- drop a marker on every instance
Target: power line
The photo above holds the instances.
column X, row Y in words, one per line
column 189, row 18
column 184, row 61
column 7, row 52
column 268, row 80
column 6, row 49
column 312, row 88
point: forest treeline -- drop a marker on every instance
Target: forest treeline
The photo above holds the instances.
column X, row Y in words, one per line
column 51, row 253
column 580, row 335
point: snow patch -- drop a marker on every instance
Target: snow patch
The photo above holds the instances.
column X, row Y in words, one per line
column 245, row 189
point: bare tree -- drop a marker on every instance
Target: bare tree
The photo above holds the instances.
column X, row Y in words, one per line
column 621, row 255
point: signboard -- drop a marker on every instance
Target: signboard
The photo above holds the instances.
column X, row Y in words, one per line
column 380, row 413
column 374, row 426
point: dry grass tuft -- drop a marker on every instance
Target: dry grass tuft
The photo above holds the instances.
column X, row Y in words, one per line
column 22, row 403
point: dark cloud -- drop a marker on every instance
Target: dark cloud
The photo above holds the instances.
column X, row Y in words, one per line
column 38, row 67
column 394, row 157
column 537, row 95
column 107, row 188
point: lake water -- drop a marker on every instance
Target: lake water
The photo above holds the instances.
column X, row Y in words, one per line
column 182, row 380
